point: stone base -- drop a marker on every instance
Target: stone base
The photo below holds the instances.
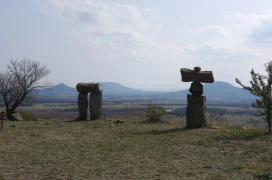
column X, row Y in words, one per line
column 95, row 106
column 196, row 112
column 94, row 115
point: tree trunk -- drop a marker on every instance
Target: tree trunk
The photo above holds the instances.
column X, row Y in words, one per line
column 269, row 121
column 268, row 115
column 9, row 114
column 11, row 110
column 269, row 126
column 2, row 123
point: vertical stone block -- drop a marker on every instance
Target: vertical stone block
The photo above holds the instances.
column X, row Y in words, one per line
column 95, row 105
column 83, row 106
column 196, row 112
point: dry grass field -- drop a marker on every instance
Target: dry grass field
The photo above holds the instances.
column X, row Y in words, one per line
column 51, row 149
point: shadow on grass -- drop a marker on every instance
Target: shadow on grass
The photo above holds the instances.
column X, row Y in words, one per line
column 159, row 132
column 75, row 121
column 245, row 135
column 153, row 122
column 264, row 176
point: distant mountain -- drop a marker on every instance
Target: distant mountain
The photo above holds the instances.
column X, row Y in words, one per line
column 216, row 92
column 60, row 90
column 116, row 89
column 109, row 89
column 225, row 92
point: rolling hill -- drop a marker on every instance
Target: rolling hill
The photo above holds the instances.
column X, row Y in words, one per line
column 109, row 89
column 216, row 92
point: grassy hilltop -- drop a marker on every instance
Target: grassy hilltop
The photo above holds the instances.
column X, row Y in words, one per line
column 132, row 150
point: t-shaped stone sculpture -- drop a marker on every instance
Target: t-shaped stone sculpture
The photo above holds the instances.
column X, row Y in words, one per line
column 196, row 103
column 95, row 100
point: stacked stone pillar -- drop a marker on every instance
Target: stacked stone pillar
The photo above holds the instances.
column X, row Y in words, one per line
column 94, row 102
column 196, row 103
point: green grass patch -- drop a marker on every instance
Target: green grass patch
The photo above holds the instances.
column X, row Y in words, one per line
column 244, row 134
column 132, row 150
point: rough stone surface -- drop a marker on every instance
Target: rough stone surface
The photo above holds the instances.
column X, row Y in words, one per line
column 196, row 112
column 189, row 75
column 95, row 100
column 83, row 106
column 95, row 105
column 196, row 107
column 196, row 89
column 88, row 87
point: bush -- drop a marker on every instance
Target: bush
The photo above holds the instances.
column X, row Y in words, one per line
column 27, row 116
column 154, row 113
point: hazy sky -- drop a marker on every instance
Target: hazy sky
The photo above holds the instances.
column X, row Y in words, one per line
column 139, row 43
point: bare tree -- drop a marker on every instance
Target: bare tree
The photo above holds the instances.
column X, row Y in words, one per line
column 261, row 86
column 17, row 83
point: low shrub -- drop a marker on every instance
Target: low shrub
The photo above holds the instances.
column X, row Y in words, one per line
column 27, row 116
column 154, row 113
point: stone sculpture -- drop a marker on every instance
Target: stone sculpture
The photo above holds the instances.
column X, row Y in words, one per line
column 94, row 103
column 196, row 103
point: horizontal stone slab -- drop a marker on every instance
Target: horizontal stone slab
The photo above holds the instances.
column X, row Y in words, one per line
column 189, row 75
column 89, row 87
